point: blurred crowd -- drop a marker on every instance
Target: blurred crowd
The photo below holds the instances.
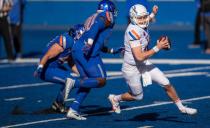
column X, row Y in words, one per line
column 202, row 22
column 11, row 19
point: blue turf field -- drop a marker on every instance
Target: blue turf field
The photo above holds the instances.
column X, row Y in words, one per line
column 25, row 101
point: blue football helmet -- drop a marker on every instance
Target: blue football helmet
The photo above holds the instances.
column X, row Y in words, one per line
column 76, row 31
column 107, row 5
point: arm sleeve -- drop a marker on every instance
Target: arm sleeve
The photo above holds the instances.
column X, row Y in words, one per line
column 98, row 25
column 102, row 21
column 61, row 40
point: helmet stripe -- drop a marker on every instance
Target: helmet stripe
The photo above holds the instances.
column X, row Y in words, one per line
column 108, row 16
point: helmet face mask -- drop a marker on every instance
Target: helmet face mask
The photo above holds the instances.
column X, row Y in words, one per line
column 139, row 16
column 76, row 31
column 79, row 30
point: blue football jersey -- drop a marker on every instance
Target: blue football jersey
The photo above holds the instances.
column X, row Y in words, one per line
column 98, row 27
column 66, row 42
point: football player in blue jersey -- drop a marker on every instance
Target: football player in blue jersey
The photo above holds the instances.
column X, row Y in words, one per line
column 86, row 55
column 51, row 66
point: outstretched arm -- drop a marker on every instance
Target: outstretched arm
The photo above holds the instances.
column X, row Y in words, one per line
column 105, row 49
column 154, row 12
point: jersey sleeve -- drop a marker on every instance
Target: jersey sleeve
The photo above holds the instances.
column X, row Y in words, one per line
column 102, row 21
column 65, row 41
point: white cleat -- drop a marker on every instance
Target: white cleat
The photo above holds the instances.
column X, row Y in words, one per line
column 189, row 111
column 72, row 114
column 115, row 104
column 68, row 87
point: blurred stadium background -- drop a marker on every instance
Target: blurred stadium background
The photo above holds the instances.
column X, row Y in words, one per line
column 43, row 19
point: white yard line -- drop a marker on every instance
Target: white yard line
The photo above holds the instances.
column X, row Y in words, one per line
column 14, row 99
column 119, row 61
column 188, row 69
column 25, row 85
column 126, row 109
column 146, row 127
column 111, row 76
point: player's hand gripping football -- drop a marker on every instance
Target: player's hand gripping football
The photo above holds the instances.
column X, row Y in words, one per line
column 164, row 43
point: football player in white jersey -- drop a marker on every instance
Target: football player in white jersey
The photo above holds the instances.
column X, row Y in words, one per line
column 137, row 67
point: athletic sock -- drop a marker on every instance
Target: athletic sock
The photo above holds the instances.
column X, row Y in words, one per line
column 60, row 97
column 80, row 97
column 117, row 98
column 179, row 104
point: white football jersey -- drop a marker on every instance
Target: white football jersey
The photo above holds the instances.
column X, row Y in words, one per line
column 134, row 37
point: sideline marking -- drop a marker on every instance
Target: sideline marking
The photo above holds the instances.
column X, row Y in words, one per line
column 13, row 99
column 146, row 127
column 111, row 76
column 126, row 109
column 116, row 61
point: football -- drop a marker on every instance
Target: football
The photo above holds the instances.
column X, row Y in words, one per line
column 163, row 37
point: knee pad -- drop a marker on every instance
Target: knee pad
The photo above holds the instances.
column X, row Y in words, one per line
column 101, row 82
column 138, row 97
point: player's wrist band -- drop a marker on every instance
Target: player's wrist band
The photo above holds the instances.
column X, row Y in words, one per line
column 40, row 66
column 156, row 49
column 152, row 15
column 111, row 50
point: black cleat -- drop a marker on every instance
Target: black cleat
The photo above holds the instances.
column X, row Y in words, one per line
column 59, row 107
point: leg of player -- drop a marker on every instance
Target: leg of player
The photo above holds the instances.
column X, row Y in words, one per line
column 128, row 96
column 73, row 112
column 58, row 75
column 161, row 79
column 97, row 78
column 174, row 97
column 132, row 77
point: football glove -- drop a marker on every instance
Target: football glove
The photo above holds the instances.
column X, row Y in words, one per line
column 38, row 71
column 117, row 50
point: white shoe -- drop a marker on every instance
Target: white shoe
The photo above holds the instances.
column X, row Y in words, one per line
column 187, row 110
column 115, row 104
column 72, row 114
column 68, row 86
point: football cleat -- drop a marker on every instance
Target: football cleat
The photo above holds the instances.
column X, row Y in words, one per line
column 68, row 87
column 72, row 114
column 189, row 111
column 115, row 104
column 59, row 107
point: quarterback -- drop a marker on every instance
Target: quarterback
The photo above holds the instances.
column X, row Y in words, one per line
column 137, row 67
